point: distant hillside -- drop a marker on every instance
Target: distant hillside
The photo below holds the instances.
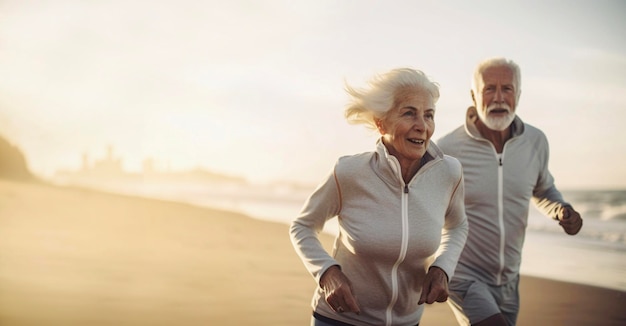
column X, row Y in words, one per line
column 13, row 163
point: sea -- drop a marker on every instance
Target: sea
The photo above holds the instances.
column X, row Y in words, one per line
column 595, row 256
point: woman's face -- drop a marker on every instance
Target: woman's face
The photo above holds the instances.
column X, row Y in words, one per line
column 408, row 126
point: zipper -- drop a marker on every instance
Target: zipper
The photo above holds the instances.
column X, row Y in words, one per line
column 403, row 250
column 500, row 200
column 501, row 215
column 405, row 235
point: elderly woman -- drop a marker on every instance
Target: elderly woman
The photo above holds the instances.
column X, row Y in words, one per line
column 401, row 213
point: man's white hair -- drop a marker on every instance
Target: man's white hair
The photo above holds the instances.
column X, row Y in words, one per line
column 497, row 62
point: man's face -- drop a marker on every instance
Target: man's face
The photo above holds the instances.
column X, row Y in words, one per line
column 496, row 97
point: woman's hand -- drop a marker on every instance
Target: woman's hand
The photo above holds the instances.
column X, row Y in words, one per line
column 338, row 291
column 435, row 288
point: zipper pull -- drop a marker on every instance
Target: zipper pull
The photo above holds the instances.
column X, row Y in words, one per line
column 406, row 189
column 500, row 160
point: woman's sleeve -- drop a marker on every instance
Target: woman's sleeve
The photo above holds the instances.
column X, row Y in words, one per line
column 323, row 204
column 454, row 233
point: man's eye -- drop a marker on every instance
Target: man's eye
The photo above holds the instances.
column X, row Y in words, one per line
column 429, row 116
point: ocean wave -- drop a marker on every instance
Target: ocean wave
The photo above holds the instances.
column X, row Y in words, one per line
column 598, row 204
column 613, row 236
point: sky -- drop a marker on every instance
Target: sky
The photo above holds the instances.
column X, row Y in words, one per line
column 256, row 88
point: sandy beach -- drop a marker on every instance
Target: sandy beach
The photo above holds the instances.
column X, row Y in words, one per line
column 78, row 257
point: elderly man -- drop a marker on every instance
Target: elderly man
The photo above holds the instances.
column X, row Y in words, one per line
column 505, row 166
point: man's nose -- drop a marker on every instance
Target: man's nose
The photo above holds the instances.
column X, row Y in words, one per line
column 499, row 97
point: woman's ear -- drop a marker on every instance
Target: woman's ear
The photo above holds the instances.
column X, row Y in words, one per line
column 379, row 126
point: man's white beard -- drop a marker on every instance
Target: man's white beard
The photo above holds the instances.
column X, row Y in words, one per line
column 496, row 123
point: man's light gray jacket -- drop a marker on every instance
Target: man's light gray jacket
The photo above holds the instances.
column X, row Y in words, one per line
column 498, row 192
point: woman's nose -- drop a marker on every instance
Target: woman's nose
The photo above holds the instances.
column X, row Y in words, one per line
column 419, row 123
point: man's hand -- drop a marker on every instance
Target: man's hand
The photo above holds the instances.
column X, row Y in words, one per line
column 338, row 291
column 570, row 220
column 435, row 287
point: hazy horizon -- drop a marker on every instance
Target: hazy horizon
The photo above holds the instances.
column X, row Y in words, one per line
column 255, row 88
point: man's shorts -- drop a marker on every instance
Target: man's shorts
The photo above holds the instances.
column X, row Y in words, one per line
column 474, row 301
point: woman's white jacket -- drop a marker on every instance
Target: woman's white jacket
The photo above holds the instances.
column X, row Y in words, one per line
column 390, row 232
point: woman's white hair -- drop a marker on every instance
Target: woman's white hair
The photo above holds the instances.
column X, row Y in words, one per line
column 374, row 102
column 497, row 62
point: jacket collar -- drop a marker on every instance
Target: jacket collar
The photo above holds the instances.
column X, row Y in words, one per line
column 389, row 167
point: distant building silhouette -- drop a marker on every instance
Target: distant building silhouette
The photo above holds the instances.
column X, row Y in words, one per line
column 108, row 166
column 110, row 169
